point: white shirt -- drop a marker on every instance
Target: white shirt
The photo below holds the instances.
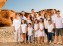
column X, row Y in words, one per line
column 23, row 27
column 46, row 23
column 50, row 28
column 29, row 21
column 53, row 17
column 24, row 18
column 30, row 30
column 58, row 22
column 40, row 17
column 16, row 23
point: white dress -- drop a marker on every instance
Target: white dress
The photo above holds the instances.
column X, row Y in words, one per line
column 36, row 27
column 41, row 33
column 23, row 27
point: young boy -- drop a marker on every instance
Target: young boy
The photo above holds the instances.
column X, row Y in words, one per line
column 30, row 32
column 50, row 31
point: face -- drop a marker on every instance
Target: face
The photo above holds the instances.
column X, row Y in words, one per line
column 23, row 21
column 58, row 13
column 41, row 20
column 35, row 21
column 33, row 11
column 23, row 13
column 29, row 25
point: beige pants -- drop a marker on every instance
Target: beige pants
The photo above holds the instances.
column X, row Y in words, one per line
column 17, row 35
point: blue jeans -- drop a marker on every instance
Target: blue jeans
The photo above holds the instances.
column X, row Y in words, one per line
column 49, row 36
column 29, row 38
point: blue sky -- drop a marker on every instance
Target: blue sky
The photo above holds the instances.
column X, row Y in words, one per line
column 27, row 5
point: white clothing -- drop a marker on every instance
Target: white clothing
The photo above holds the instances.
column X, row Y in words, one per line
column 29, row 21
column 23, row 27
column 50, row 28
column 16, row 24
column 58, row 22
column 24, row 18
column 36, row 29
column 30, row 31
column 35, row 26
column 41, row 30
column 45, row 23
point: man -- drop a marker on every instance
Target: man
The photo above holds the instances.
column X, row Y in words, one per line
column 58, row 25
column 16, row 25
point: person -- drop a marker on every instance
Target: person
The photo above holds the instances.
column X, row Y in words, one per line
column 23, row 28
column 29, row 19
column 16, row 24
column 30, row 32
column 23, row 15
column 46, row 24
column 41, row 33
column 50, row 31
column 36, row 30
column 58, row 25
column 53, row 17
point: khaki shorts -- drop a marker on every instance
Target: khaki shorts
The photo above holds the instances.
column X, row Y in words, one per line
column 59, row 31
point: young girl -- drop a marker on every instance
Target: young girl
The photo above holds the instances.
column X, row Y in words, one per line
column 30, row 33
column 50, row 31
column 41, row 33
column 23, row 30
column 36, row 29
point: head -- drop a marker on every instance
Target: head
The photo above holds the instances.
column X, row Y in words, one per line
column 49, row 21
column 58, row 12
column 36, row 21
column 33, row 11
column 22, row 21
column 17, row 16
column 41, row 20
column 23, row 13
column 29, row 24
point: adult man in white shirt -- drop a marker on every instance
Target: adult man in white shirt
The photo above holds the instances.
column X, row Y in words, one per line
column 16, row 24
column 58, row 25
column 23, row 15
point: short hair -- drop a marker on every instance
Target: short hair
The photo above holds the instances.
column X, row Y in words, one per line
column 32, row 9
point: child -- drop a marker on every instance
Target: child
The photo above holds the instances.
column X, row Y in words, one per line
column 23, row 30
column 35, row 29
column 30, row 33
column 50, row 31
column 41, row 33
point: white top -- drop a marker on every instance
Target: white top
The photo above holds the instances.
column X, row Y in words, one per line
column 32, row 15
column 24, row 18
column 41, row 26
column 35, row 26
column 53, row 17
column 29, row 21
column 30, row 31
column 58, row 22
column 16, row 23
column 23, row 27
column 50, row 28
column 45, row 23
column 40, row 17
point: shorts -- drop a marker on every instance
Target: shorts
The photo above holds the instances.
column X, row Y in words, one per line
column 59, row 31
column 41, row 33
